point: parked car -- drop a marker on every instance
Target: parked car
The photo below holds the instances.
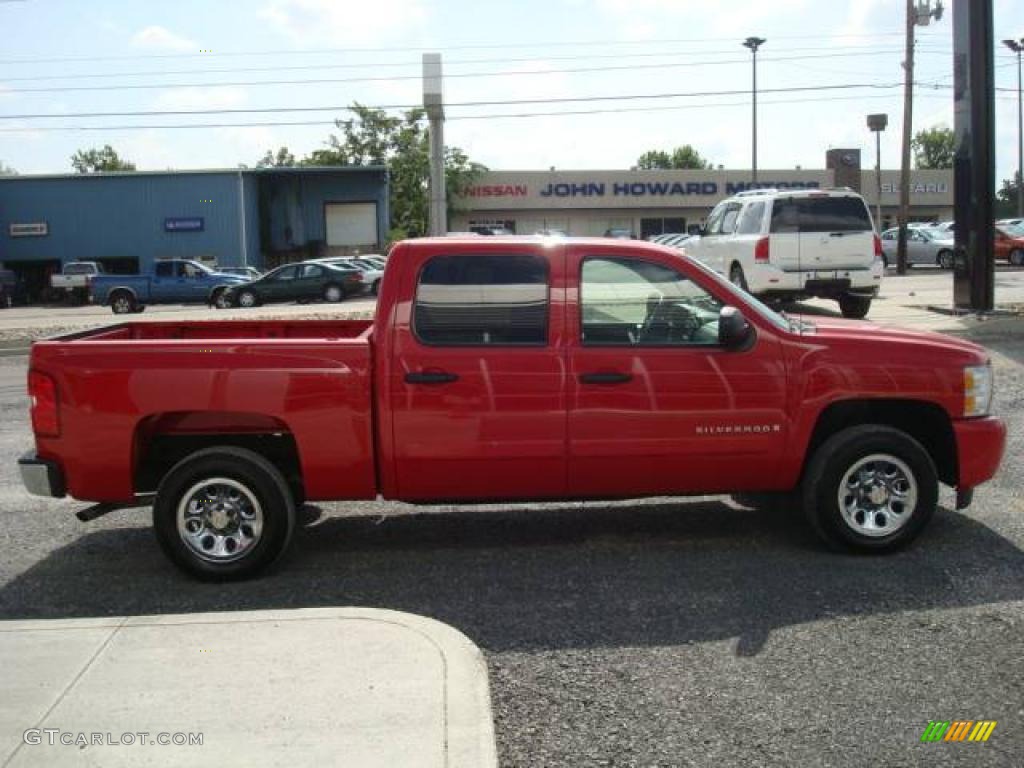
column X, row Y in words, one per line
column 641, row 374
column 1016, row 222
column 173, row 281
column 74, row 279
column 552, row 233
column 305, row 281
column 249, row 273
column 372, row 274
column 1009, row 245
column 793, row 244
column 620, row 233
column 927, row 245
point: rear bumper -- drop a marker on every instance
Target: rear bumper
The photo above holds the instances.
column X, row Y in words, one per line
column 829, row 284
column 41, row 477
column 979, row 445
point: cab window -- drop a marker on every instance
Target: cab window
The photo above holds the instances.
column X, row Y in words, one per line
column 636, row 303
column 482, row 300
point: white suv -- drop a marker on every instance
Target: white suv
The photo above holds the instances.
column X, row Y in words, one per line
column 793, row 244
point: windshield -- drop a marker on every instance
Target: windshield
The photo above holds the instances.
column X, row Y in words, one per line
column 779, row 321
column 934, row 233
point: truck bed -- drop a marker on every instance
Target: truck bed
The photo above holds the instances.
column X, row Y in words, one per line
column 128, row 387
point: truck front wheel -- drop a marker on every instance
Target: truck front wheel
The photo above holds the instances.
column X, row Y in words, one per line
column 223, row 514
column 870, row 488
column 854, row 307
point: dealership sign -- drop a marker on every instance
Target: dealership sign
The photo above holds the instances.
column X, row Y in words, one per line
column 633, row 188
column 191, row 224
column 31, row 229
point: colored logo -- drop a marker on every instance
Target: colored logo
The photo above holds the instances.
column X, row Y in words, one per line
column 958, row 730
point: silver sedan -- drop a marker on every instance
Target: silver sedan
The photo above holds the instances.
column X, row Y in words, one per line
column 925, row 245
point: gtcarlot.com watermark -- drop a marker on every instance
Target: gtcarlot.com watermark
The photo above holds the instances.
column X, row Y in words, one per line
column 53, row 737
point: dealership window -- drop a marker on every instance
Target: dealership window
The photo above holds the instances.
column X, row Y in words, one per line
column 672, row 225
column 636, row 303
column 472, row 300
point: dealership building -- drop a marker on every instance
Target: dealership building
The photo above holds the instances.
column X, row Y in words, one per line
column 652, row 202
column 126, row 221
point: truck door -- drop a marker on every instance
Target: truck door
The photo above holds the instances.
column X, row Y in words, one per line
column 656, row 406
column 476, row 382
column 168, row 281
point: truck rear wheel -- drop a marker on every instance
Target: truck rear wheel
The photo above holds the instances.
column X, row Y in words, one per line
column 854, row 307
column 223, row 514
column 870, row 488
column 123, row 303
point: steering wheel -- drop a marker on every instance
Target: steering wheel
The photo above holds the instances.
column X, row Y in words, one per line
column 679, row 322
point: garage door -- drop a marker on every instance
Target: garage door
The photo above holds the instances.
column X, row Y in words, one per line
column 351, row 223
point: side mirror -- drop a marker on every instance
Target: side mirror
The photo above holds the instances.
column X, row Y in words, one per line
column 733, row 329
column 696, row 230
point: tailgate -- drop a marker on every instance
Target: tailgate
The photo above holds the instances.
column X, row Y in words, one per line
column 821, row 231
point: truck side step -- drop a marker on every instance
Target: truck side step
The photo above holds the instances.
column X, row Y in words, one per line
column 96, row 511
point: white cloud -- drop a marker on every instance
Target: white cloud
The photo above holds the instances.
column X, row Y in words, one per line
column 162, row 39
column 325, row 21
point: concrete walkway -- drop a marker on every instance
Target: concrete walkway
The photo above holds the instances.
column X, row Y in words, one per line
column 317, row 687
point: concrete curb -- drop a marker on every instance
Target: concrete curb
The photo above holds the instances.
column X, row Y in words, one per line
column 353, row 686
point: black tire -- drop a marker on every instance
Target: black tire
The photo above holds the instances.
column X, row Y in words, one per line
column 885, row 261
column 248, row 299
column 333, row 293
column 123, row 303
column 219, row 300
column 375, row 288
column 944, row 259
column 737, row 278
column 259, row 480
column 843, row 452
column 1016, row 257
column 854, row 307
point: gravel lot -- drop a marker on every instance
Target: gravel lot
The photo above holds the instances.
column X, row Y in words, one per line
column 656, row 633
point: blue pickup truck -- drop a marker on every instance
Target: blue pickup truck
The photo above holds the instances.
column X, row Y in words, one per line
column 175, row 281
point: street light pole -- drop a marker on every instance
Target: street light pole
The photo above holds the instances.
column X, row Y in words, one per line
column 1017, row 46
column 877, row 124
column 753, row 43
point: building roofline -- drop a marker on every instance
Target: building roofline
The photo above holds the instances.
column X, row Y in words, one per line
column 296, row 170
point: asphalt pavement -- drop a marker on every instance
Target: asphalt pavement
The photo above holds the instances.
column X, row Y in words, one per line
column 656, row 633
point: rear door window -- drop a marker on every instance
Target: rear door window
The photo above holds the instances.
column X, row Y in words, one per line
column 750, row 220
column 476, row 300
column 164, row 269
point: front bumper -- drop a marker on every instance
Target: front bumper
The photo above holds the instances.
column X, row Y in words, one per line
column 41, row 477
column 979, row 447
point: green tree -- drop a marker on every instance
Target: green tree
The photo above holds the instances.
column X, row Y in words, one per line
column 97, row 160
column 402, row 144
column 281, row 159
column 934, row 148
column 1006, row 200
column 684, row 157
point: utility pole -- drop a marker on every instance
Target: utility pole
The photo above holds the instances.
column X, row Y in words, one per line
column 433, row 101
column 1017, row 46
column 918, row 13
column 753, row 43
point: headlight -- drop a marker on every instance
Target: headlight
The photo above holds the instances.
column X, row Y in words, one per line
column 977, row 390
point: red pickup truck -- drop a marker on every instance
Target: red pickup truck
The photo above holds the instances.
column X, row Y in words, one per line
column 510, row 369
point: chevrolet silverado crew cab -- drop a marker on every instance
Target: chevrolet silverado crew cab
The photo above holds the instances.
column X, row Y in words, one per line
column 506, row 369
column 794, row 244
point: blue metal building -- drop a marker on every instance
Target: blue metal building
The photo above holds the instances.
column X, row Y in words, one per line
column 257, row 217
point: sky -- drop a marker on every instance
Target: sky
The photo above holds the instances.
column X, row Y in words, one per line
column 308, row 59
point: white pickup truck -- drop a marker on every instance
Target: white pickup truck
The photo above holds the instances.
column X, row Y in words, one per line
column 75, row 279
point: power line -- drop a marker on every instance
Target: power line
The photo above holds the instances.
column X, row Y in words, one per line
column 495, row 116
column 508, row 102
column 421, row 49
column 401, row 78
column 854, row 50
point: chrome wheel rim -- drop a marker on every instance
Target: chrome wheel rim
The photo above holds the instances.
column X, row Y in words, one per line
column 220, row 520
column 122, row 306
column 221, row 301
column 877, row 495
column 333, row 293
column 247, row 300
